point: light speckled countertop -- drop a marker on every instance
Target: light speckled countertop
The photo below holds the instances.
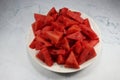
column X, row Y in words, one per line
column 16, row 17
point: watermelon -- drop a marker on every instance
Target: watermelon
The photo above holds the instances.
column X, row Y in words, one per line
column 54, row 36
column 47, row 57
column 73, row 29
column 71, row 61
column 74, row 16
column 60, row 59
column 63, row 37
column 76, row 36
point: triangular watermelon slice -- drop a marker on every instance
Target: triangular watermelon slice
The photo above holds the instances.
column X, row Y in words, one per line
column 39, row 17
column 39, row 45
column 58, row 52
column 63, row 11
column 47, row 56
column 58, row 26
column 76, row 36
column 40, row 56
column 77, row 47
column 91, row 54
column 60, row 59
column 87, row 23
column 54, row 36
column 52, row 11
column 65, row 44
column 73, row 29
column 92, row 43
column 74, row 16
column 66, row 21
column 84, row 54
column 42, row 40
column 33, row 44
column 71, row 61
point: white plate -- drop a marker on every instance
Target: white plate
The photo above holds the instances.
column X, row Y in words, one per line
column 60, row 68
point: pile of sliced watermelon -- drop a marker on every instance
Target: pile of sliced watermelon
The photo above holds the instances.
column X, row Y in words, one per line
column 63, row 37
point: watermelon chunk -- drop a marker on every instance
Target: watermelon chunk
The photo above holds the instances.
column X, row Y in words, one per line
column 48, row 19
column 58, row 52
column 76, row 36
column 39, row 45
column 39, row 17
column 89, row 32
column 87, row 23
column 47, row 57
column 60, row 59
column 77, row 48
column 73, row 29
column 47, row 28
column 77, row 13
column 58, row 26
column 63, row 11
column 52, row 11
column 92, row 43
column 71, row 61
column 65, row 44
column 74, row 16
column 91, row 54
column 40, row 56
column 42, row 40
column 84, row 54
column 33, row 44
column 54, row 36
column 66, row 21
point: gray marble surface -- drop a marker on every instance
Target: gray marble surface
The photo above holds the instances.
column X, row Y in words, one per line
column 16, row 17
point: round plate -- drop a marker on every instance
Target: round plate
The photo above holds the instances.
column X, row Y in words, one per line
column 61, row 68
